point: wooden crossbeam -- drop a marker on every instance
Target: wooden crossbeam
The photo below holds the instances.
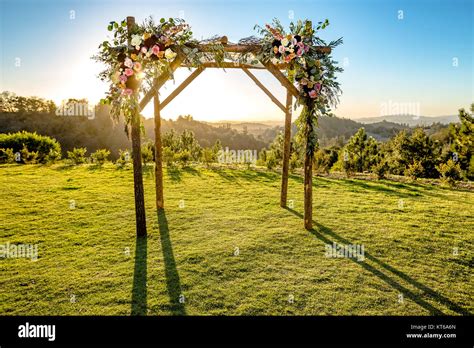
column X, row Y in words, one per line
column 282, row 78
column 182, row 86
column 232, row 65
column 265, row 90
column 160, row 81
column 236, row 48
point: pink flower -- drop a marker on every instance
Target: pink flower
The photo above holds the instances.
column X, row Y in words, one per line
column 155, row 50
column 128, row 72
column 127, row 91
column 300, row 51
column 123, row 78
column 281, row 49
column 313, row 94
column 306, row 48
column 318, row 87
column 300, row 45
column 144, row 50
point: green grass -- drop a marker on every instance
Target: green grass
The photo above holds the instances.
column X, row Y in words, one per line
column 191, row 251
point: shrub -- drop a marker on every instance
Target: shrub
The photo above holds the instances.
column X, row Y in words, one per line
column 168, row 156
column 415, row 170
column 294, row 161
column 53, row 156
column 183, row 157
column 27, row 156
column 450, row 171
column 100, row 156
column 124, row 158
column 208, row 156
column 7, row 156
column 380, row 169
column 34, row 143
column 148, row 152
column 77, row 155
column 271, row 160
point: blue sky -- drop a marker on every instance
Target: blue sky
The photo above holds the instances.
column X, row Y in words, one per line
column 387, row 59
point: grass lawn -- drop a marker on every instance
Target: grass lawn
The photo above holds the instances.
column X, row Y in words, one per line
column 231, row 250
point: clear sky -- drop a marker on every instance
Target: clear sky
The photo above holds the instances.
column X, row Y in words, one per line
column 395, row 52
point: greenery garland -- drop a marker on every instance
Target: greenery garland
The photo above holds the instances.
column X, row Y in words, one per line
column 314, row 72
column 133, row 59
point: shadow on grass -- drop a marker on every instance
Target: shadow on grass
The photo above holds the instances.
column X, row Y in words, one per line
column 324, row 234
column 373, row 186
column 234, row 175
column 139, row 291
column 173, row 284
column 175, row 173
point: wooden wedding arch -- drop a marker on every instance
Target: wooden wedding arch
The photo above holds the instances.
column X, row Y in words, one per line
column 153, row 93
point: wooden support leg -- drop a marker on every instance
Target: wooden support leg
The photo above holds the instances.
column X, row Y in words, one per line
column 308, row 192
column 160, row 204
column 137, row 176
column 286, row 151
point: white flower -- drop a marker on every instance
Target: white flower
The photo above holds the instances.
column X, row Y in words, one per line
column 284, row 41
column 136, row 40
column 169, row 54
column 128, row 63
column 275, row 60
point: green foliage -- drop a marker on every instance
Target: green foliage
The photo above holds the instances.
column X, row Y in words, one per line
column 324, row 159
column 404, row 150
column 41, row 145
column 450, row 172
column 11, row 103
column 77, row 155
column 463, row 141
column 53, row 156
column 415, row 170
column 27, row 156
column 123, row 159
column 183, row 157
column 360, row 154
column 7, row 156
column 148, row 152
column 208, row 156
column 100, row 156
column 271, row 160
column 380, row 169
column 169, row 156
column 294, row 161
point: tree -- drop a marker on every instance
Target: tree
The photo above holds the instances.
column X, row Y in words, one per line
column 359, row 154
column 462, row 145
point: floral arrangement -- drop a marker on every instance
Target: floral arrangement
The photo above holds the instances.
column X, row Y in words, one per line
column 313, row 71
column 134, row 58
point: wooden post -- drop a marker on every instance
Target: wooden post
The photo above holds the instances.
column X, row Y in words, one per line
column 308, row 191
column 137, row 161
column 286, row 150
column 160, row 204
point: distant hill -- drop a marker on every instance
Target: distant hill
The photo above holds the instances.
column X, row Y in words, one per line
column 332, row 130
column 411, row 120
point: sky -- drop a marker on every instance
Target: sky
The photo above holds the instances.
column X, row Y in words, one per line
column 414, row 55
